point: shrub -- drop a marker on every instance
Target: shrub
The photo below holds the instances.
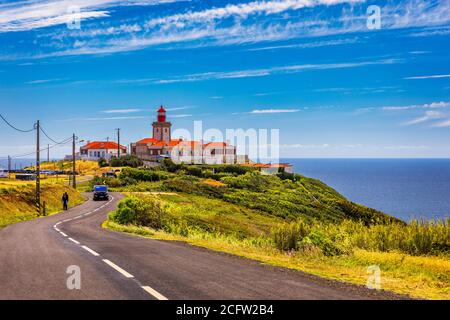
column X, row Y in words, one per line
column 253, row 181
column 288, row 236
column 192, row 185
column 102, row 163
column 194, row 171
column 126, row 161
column 170, row 166
column 143, row 174
column 146, row 212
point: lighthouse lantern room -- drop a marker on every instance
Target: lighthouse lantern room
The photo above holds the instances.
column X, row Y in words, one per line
column 162, row 128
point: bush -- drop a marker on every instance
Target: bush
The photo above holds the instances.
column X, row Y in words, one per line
column 288, row 237
column 253, row 181
column 170, row 166
column 192, row 185
column 143, row 174
column 194, row 171
column 102, row 163
column 126, row 161
column 146, row 212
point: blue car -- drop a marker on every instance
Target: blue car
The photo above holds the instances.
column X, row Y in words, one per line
column 101, row 193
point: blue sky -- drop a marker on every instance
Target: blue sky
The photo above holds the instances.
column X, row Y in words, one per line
column 310, row 68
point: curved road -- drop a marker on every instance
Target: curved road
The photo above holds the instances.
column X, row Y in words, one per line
column 35, row 255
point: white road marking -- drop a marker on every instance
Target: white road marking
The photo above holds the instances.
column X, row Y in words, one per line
column 73, row 240
column 126, row 274
column 154, row 293
column 90, row 251
column 118, row 269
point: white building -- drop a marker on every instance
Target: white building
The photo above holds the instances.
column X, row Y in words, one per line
column 3, row 173
column 182, row 151
column 101, row 149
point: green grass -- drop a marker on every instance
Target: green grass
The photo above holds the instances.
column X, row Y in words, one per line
column 418, row 277
column 17, row 202
column 287, row 220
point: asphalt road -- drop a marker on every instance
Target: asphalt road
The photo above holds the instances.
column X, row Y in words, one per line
column 35, row 256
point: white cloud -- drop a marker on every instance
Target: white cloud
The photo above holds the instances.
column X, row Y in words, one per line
column 106, row 118
column 429, row 115
column 271, row 111
column 41, row 81
column 433, row 105
column 442, row 124
column 438, row 76
column 121, row 111
column 181, row 115
column 314, row 44
column 242, row 11
column 242, row 23
column 271, row 71
column 29, row 15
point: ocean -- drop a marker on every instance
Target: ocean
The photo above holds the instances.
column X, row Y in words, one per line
column 405, row 188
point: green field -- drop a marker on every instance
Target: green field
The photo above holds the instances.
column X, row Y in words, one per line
column 285, row 220
column 17, row 200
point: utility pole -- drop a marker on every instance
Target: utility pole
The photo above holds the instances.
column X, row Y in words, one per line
column 38, row 169
column 9, row 167
column 74, row 182
column 48, row 153
column 118, row 143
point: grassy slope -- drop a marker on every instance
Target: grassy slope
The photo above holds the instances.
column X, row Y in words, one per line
column 17, row 201
column 227, row 227
column 240, row 213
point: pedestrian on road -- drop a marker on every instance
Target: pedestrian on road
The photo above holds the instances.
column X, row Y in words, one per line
column 65, row 201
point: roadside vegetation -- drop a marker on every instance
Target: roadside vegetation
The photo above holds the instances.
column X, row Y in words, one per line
column 17, row 202
column 286, row 220
column 17, row 197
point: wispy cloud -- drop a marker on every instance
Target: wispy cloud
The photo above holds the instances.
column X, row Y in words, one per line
column 121, row 110
column 433, row 105
column 106, row 118
column 438, row 76
column 179, row 108
column 180, row 115
column 271, row 111
column 29, row 15
column 314, row 44
column 442, row 124
column 41, row 81
column 232, row 24
column 242, row 11
column 272, row 71
column 429, row 115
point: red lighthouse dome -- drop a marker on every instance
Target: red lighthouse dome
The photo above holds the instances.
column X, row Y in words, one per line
column 161, row 114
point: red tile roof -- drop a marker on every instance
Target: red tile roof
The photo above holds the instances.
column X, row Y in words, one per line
column 178, row 142
column 102, row 145
column 216, row 145
column 147, row 140
column 159, row 143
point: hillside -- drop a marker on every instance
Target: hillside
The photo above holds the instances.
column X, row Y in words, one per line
column 285, row 196
column 17, row 202
column 285, row 220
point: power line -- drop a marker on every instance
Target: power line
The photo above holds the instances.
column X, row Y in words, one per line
column 14, row 127
column 66, row 141
column 52, row 140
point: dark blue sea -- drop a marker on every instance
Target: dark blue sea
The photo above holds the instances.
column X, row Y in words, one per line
column 405, row 188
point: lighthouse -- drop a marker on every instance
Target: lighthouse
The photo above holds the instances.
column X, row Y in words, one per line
column 161, row 128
